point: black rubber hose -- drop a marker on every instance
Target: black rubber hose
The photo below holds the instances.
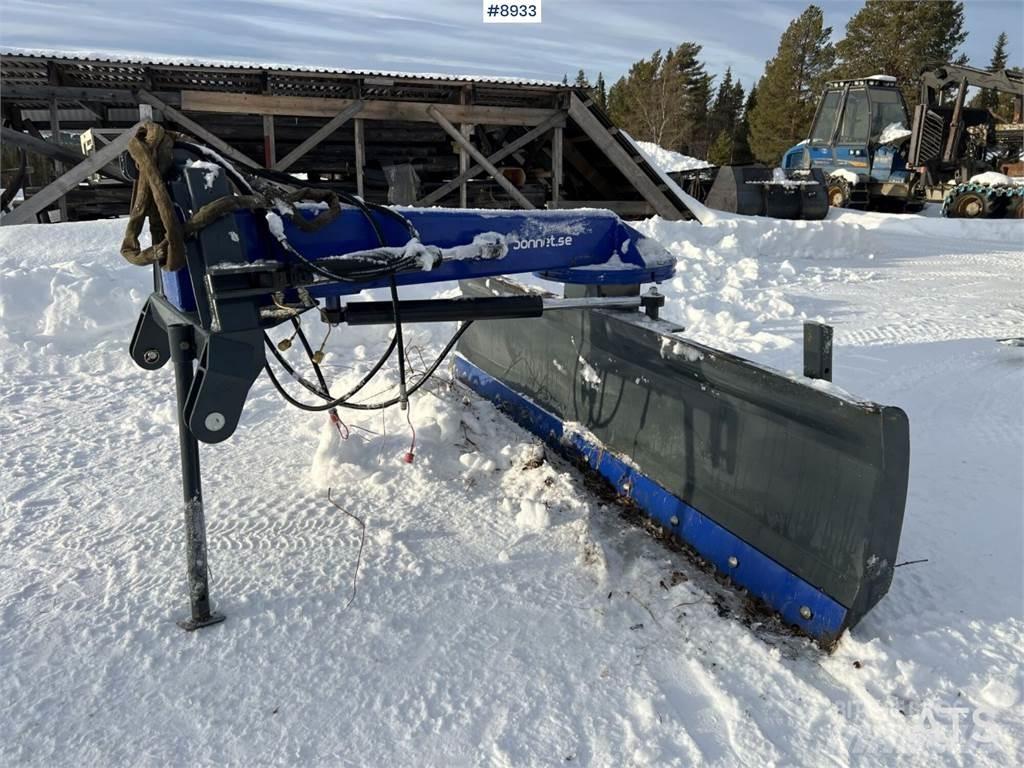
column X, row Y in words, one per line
column 340, row 402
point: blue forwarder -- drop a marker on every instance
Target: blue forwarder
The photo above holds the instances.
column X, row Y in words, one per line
column 855, row 140
column 968, row 158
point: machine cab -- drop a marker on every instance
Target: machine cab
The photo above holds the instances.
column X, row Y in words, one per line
column 854, row 129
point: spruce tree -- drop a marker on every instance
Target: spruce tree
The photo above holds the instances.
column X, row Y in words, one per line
column 601, row 92
column 1001, row 104
column 696, row 84
column 720, row 152
column 741, row 152
column 581, row 81
column 724, row 119
column 902, row 38
column 789, row 90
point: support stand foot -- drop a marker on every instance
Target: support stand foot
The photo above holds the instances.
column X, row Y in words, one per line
column 191, row 625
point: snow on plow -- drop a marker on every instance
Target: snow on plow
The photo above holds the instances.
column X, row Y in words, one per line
column 792, row 490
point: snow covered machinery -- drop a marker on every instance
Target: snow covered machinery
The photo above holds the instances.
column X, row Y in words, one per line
column 963, row 157
column 969, row 157
column 788, row 487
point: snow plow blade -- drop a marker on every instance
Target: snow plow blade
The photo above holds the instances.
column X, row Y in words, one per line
column 794, row 493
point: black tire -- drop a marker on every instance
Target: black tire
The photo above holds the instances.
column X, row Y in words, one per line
column 1015, row 207
column 838, row 192
column 971, row 204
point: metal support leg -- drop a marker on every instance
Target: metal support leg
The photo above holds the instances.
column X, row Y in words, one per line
column 818, row 351
column 183, row 352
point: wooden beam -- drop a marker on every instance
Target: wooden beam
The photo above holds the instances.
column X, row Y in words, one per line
column 269, row 142
column 360, row 154
column 621, row 159
column 49, row 149
column 501, row 154
column 556, row 167
column 467, row 132
column 308, row 106
column 26, row 212
column 322, row 133
column 19, row 92
column 171, row 113
column 58, row 166
column 497, row 175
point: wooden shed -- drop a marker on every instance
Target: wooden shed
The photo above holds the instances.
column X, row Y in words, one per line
column 487, row 142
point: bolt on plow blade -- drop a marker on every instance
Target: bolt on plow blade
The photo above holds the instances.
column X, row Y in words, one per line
column 793, row 492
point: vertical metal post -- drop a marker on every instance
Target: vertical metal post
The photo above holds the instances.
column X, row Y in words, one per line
column 818, row 351
column 183, row 352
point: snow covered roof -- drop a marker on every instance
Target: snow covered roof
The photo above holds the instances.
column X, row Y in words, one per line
column 138, row 60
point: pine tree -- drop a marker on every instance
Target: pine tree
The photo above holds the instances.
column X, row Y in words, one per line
column 648, row 103
column 789, row 90
column 601, row 92
column 581, row 81
column 902, row 38
column 565, row 79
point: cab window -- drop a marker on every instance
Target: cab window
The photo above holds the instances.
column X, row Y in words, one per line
column 855, row 123
column 886, row 108
column 822, row 131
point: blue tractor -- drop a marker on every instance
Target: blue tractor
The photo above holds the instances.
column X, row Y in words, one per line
column 857, row 139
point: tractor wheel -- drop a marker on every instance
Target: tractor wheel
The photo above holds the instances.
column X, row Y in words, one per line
column 1015, row 207
column 838, row 192
column 972, row 205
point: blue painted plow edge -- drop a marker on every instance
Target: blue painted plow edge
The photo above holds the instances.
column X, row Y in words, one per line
column 760, row 575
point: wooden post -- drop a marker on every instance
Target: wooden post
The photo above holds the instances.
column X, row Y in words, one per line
column 58, row 166
column 504, row 183
column 467, row 131
column 360, row 154
column 319, row 135
column 269, row 142
column 556, row 167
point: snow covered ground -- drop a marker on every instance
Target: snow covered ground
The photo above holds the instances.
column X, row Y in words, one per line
column 505, row 615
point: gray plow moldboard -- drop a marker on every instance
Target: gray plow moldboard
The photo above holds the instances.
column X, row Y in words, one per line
column 808, row 486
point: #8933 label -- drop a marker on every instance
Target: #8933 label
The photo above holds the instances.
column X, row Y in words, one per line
column 512, row 13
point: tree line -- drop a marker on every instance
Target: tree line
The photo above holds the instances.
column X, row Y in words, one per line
column 671, row 99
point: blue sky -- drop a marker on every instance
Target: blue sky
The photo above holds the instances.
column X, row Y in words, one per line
column 447, row 35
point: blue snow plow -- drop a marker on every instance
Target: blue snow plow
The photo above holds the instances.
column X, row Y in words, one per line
column 793, row 492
